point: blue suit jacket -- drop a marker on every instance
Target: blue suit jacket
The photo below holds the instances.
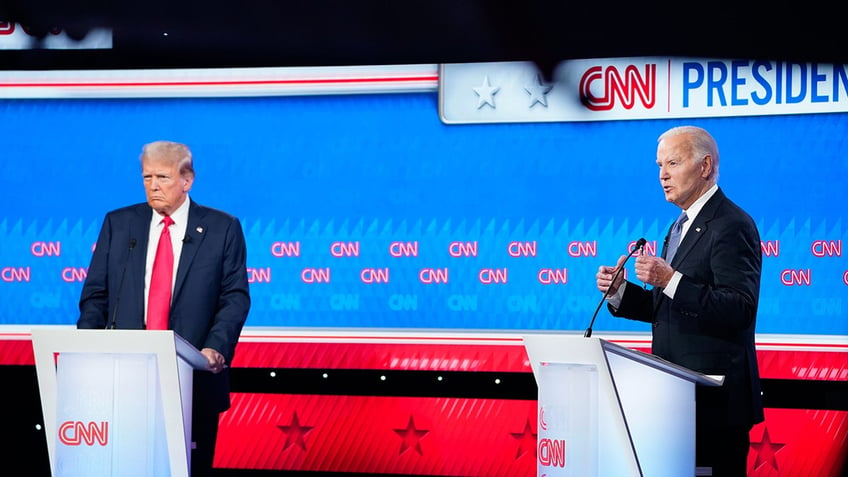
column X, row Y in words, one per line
column 709, row 325
column 210, row 301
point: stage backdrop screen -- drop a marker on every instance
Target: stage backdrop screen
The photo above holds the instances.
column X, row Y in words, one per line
column 365, row 208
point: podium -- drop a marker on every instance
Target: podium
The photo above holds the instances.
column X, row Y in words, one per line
column 606, row 410
column 116, row 402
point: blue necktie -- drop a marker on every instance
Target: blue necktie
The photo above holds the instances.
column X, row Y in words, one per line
column 674, row 238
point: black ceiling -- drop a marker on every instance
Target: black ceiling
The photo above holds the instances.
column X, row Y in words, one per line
column 216, row 33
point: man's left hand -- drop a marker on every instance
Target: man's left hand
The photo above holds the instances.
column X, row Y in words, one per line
column 653, row 270
column 216, row 360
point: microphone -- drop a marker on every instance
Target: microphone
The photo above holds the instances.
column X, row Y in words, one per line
column 639, row 244
column 121, row 285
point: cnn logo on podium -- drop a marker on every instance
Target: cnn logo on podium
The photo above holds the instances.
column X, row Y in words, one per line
column 74, row 433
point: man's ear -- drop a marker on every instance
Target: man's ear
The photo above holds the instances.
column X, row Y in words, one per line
column 707, row 166
column 188, row 182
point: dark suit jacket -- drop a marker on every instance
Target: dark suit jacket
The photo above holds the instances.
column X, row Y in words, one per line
column 210, row 300
column 709, row 325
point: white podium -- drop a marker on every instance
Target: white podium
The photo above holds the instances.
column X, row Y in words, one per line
column 607, row 411
column 116, row 402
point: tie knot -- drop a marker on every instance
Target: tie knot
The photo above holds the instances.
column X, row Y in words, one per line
column 168, row 221
column 678, row 224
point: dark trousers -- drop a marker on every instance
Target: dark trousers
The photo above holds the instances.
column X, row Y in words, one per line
column 204, row 434
column 723, row 449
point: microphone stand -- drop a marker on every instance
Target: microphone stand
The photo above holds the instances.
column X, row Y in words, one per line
column 639, row 244
column 121, row 286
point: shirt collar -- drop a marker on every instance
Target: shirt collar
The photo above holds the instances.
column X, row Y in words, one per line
column 180, row 216
column 696, row 207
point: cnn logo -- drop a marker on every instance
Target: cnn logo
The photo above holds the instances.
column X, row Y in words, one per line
column 601, row 87
column 74, row 433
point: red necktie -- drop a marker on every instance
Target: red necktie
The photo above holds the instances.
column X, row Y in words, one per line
column 159, row 301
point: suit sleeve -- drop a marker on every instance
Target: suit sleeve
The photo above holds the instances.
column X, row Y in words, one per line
column 726, row 299
column 636, row 304
column 94, row 299
column 234, row 297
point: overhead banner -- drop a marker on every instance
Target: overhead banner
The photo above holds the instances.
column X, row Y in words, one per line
column 638, row 88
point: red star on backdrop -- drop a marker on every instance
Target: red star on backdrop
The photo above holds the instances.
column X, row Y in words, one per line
column 526, row 440
column 295, row 433
column 766, row 450
column 411, row 437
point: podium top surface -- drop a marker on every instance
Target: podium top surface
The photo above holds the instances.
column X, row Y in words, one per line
column 662, row 364
column 120, row 341
column 575, row 348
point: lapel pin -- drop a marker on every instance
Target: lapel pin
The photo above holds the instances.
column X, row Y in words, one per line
column 697, row 229
column 199, row 230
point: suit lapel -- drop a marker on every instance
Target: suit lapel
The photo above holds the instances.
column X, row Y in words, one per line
column 140, row 232
column 665, row 241
column 195, row 232
column 698, row 229
column 140, row 228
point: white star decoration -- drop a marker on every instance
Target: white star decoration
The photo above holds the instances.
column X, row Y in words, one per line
column 486, row 93
column 537, row 91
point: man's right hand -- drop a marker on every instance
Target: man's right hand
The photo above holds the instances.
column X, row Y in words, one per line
column 605, row 275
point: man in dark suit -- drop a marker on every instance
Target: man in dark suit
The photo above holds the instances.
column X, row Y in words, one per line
column 703, row 301
column 205, row 284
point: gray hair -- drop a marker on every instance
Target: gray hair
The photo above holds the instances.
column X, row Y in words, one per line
column 700, row 143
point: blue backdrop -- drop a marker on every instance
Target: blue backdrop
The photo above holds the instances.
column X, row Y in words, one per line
column 363, row 171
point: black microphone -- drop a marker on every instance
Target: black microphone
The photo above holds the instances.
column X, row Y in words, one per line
column 639, row 244
column 121, row 285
